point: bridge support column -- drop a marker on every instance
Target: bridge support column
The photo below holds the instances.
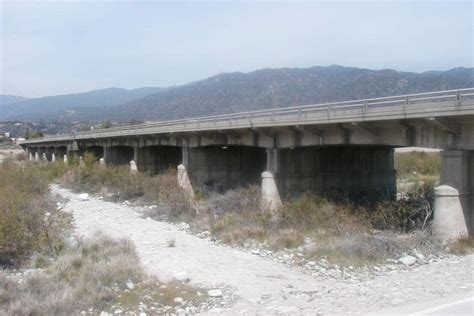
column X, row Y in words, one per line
column 355, row 173
column 158, row 159
column 60, row 152
column 119, row 155
column 220, row 168
column 40, row 153
column 182, row 175
column 270, row 196
column 49, row 152
column 105, row 155
column 454, row 203
column 29, row 154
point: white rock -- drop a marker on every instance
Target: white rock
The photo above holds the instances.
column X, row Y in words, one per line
column 407, row 260
column 181, row 312
column 215, row 293
column 104, row 314
column 255, row 251
column 397, row 301
column 418, row 255
column 181, row 276
column 266, row 296
column 178, row 300
column 83, row 197
column 130, row 285
column 118, row 311
column 183, row 226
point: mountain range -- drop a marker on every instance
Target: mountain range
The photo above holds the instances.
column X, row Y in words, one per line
column 233, row 92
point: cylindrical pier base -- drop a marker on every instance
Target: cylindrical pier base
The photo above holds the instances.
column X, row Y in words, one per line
column 270, row 197
column 449, row 222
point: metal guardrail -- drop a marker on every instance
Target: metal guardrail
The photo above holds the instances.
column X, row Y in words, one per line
column 317, row 114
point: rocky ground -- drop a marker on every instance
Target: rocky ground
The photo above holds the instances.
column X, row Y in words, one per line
column 256, row 281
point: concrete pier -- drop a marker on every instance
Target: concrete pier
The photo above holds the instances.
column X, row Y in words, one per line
column 219, row 168
column 454, row 201
column 356, row 173
column 158, row 159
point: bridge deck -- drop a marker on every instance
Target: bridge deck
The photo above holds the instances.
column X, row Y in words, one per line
column 422, row 105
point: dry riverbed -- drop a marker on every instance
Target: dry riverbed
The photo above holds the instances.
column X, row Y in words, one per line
column 9, row 153
column 255, row 281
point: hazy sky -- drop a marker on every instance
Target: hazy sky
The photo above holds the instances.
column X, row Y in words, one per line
column 52, row 48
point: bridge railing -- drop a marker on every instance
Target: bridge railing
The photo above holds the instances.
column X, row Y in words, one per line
column 280, row 116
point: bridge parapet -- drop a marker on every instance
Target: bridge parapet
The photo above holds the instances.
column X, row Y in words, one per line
column 414, row 106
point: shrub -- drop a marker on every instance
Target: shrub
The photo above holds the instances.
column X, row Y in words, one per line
column 28, row 220
column 312, row 213
column 463, row 245
column 96, row 274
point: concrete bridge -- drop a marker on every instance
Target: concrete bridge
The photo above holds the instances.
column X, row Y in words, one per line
column 341, row 149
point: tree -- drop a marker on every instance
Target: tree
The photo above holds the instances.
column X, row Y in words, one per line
column 106, row 124
column 35, row 135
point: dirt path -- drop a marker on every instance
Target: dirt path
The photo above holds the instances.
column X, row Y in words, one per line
column 263, row 286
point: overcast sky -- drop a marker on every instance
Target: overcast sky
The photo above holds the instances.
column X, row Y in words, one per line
column 55, row 48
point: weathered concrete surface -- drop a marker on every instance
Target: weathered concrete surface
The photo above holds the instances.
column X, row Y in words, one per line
column 270, row 196
column 119, row 155
column 355, row 172
column 457, row 172
column 222, row 168
column 133, row 167
column 157, row 159
column 449, row 222
column 184, row 183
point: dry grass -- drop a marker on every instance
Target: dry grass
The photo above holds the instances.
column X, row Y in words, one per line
column 123, row 185
column 341, row 232
column 97, row 274
column 463, row 246
column 418, row 162
column 29, row 222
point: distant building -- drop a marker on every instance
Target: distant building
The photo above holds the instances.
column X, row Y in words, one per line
column 7, row 134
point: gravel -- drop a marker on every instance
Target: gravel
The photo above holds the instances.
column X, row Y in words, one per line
column 266, row 282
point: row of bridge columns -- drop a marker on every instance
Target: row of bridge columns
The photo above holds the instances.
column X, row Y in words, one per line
column 353, row 172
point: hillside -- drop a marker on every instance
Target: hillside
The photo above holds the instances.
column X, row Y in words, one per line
column 69, row 107
column 235, row 92
column 267, row 88
column 10, row 99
